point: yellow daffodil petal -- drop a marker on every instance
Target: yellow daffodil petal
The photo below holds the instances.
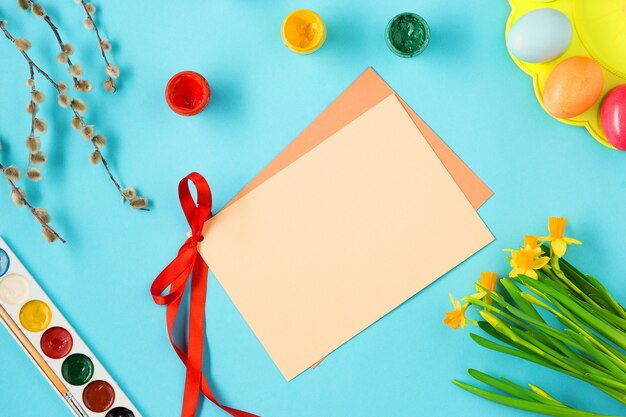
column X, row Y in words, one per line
column 559, row 246
column 531, row 274
column 572, row 241
column 531, row 242
column 537, row 251
column 540, row 262
column 488, row 280
column 455, row 318
column 556, row 227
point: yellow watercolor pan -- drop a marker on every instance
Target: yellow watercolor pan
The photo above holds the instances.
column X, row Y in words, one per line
column 599, row 33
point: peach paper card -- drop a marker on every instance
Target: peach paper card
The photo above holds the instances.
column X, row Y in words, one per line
column 340, row 237
column 364, row 93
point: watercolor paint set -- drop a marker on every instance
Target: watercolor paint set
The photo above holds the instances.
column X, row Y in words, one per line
column 54, row 346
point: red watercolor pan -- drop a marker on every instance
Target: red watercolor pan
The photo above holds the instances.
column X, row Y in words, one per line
column 56, row 342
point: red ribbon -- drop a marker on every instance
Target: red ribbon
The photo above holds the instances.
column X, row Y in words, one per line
column 175, row 275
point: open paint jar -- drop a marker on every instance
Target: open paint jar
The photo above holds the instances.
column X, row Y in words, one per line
column 407, row 35
column 187, row 93
column 303, row 31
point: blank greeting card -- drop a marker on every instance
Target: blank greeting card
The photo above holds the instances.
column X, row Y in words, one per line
column 368, row 90
column 341, row 236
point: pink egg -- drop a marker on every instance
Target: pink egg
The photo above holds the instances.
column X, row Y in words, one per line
column 613, row 116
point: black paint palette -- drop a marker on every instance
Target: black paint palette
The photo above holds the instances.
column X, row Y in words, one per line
column 54, row 346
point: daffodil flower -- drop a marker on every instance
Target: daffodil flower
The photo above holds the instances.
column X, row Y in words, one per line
column 558, row 243
column 487, row 281
column 526, row 260
column 531, row 242
column 456, row 318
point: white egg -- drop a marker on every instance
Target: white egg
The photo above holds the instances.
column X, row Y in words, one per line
column 540, row 36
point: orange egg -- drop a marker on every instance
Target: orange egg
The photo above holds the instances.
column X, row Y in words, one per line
column 573, row 87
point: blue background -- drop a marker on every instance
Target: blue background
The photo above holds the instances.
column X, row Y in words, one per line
column 465, row 86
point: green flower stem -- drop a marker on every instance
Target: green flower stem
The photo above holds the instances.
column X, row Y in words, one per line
column 551, row 354
column 608, row 362
column 560, row 335
column 551, row 410
column 511, row 388
column 558, row 276
column 594, row 285
column 571, row 304
column 610, row 317
column 585, row 365
column 602, row 292
column 505, row 315
column 533, row 345
column 541, row 392
column 488, row 344
column 515, row 294
column 609, row 382
column 562, row 339
column 570, row 320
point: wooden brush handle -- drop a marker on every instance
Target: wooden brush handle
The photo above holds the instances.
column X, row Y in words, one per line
column 33, row 352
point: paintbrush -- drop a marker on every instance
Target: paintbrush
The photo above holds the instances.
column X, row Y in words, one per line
column 39, row 360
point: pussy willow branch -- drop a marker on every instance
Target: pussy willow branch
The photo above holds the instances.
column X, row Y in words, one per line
column 95, row 28
column 76, row 114
column 55, row 30
column 32, row 103
column 60, row 41
column 45, row 225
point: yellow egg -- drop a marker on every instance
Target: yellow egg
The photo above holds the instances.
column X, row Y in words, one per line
column 573, row 87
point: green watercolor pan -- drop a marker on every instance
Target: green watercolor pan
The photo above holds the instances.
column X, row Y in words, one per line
column 54, row 346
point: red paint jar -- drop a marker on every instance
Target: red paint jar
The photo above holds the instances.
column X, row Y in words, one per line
column 187, row 93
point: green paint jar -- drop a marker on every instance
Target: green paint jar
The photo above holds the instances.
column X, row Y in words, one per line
column 407, row 35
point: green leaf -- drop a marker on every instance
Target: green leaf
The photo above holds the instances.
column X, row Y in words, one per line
column 550, row 410
column 550, row 335
column 609, row 317
column 489, row 344
column 524, row 305
column 605, row 360
column 509, row 387
column 573, row 305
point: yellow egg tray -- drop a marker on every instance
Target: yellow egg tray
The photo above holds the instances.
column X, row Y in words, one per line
column 599, row 32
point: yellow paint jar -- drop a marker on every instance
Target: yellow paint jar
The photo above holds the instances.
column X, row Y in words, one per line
column 303, row 31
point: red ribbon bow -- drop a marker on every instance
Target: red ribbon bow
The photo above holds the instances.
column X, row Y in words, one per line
column 175, row 275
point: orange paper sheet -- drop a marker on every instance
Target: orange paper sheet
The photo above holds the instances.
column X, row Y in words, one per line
column 340, row 237
column 368, row 90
